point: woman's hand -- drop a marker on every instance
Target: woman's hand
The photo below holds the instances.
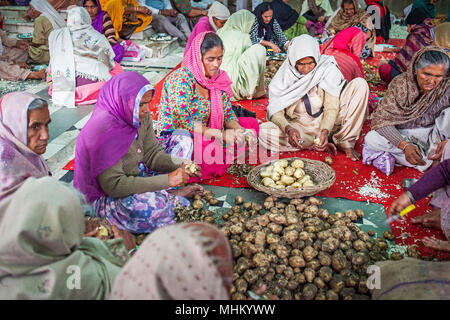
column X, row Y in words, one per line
column 295, row 138
column 275, row 48
column 233, row 136
column 324, row 145
column 399, row 204
column 179, row 177
column 22, row 44
column 128, row 239
column 413, row 156
column 197, row 169
column 438, row 153
column 144, row 10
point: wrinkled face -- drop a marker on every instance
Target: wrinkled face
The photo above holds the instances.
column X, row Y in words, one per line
column 267, row 16
column 91, row 8
column 349, row 9
column 33, row 13
column 212, row 59
column 219, row 23
column 305, row 65
column 143, row 106
column 37, row 132
column 429, row 77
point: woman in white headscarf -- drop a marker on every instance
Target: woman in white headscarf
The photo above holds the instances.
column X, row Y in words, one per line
column 218, row 15
column 309, row 99
column 81, row 61
column 46, row 20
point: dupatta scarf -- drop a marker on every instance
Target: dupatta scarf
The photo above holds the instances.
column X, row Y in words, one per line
column 108, row 134
column 221, row 82
column 402, row 101
column 17, row 161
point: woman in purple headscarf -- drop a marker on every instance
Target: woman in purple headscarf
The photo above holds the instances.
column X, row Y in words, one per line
column 119, row 162
column 101, row 21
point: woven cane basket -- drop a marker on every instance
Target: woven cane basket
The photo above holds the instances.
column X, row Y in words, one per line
column 321, row 173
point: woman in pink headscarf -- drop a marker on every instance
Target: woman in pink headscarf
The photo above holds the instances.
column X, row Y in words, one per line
column 24, row 119
column 196, row 97
column 346, row 48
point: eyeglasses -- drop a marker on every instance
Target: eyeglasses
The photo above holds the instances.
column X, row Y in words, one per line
column 305, row 64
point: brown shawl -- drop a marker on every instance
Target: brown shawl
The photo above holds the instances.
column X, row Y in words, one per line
column 403, row 102
column 317, row 10
column 341, row 21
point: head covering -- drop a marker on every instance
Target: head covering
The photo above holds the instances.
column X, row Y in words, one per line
column 341, row 21
column 17, row 161
column 77, row 51
column 402, row 101
column 442, row 35
column 49, row 12
column 284, row 14
column 261, row 25
column 97, row 22
column 186, row 261
column 428, row 7
column 242, row 21
column 218, row 11
column 289, row 85
column 108, row 134
column 41, row 241
column 221, row 82
column 417, row 16
column 344, row 42
column 318, row 7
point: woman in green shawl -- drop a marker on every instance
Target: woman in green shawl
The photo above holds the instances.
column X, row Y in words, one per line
column 245, row 63
column 427, row 5
column 43, row 254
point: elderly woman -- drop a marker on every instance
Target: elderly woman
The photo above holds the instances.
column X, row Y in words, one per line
column 414, row 115
column 350, row 14
column 290, row 21
column 308, row 99
column 420, row 36
column 267, row 31
column 218, row 15
column 244, row 62
column 23, row 139
column 13, row 55
column 43, row 255
column 437, row 181
column 119, row 165
column 346, row 48
column 81, row 60
column 186, row 261
column 317, row 13
column 46, row 20
column 196, row 97
column 101, row 22
column 127, row 12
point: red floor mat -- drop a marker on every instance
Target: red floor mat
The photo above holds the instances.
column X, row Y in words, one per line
column 347, row 182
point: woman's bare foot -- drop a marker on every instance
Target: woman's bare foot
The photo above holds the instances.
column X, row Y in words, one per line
column 436, row 244
column 431, row 220
column 351, row 153
column 189, row 191
column 37, row 75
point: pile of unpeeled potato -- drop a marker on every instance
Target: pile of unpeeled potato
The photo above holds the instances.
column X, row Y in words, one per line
column 285, row 175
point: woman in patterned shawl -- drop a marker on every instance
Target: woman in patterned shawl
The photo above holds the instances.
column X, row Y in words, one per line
column 413, row 117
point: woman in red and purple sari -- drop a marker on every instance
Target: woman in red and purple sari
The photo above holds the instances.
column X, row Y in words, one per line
column 346, row 48
column 101, row 21
column 196, row 98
